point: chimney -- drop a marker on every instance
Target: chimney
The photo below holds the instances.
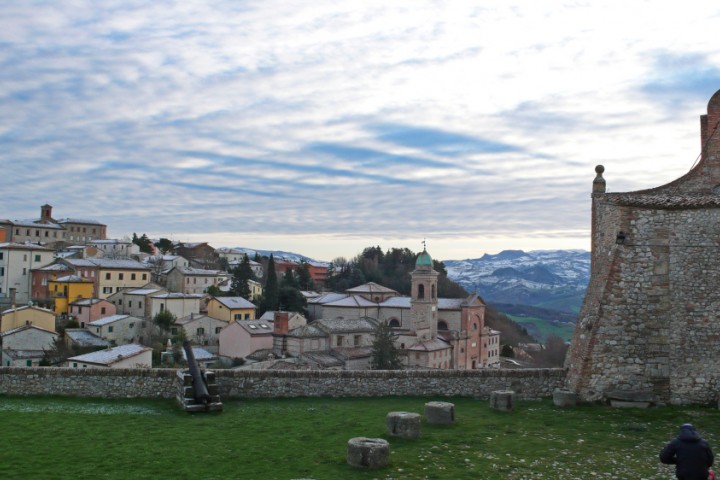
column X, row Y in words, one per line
column 280, row 323
column 46, row 214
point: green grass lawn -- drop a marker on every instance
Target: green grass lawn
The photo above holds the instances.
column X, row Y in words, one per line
column 64, row 438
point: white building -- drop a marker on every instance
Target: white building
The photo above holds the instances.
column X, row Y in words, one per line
column 122, row 329
column 25, row 346
column 124, row 356
column 16, row 262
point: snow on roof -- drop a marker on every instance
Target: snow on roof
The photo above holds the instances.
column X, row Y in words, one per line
column 55, row 267
column 327, row 297
column 179, row 295
column 88, row 301
column 71, row 279
column 370, row 287
column 84, row 338
column 352, row 301
column 107, row 263
column 256, row 327
column 79, row 220
column 111, row 355
column 235, row 302
column 23, row 246
column 25, row 327
column 107, row 320
column 346, row 325
column 143, row 291
column 25, row 307
column 201, row 355
column 196, row 271
column 430, row 346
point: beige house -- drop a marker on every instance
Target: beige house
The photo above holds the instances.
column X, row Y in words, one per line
column 191, row 280
column 243, row 337
column 231, row 308
column 179, row 304
column 27, row 315
column 122, row 329
column 112, row 248
column 124, row 356
column 200, row 330
column 16, row 262
column 136, row 301
column 25, row 346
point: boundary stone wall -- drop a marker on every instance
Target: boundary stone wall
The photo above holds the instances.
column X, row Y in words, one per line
column 161, row 383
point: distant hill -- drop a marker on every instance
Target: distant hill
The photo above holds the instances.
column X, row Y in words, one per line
column 549, row 279
column 277, row 255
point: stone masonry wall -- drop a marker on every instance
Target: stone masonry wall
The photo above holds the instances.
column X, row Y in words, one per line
column 650, row 320
column 160, row 383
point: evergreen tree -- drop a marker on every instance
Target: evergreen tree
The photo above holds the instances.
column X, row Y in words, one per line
column 291, row 299
column 242, row 274
column 165, row 245
column 385, row 355
column 146, row 246
column 271, row 294
column 289, row 279
column 164, row 319
column 304, row 278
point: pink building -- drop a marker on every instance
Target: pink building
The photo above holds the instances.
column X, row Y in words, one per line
column 243, row 337
column 90, row 309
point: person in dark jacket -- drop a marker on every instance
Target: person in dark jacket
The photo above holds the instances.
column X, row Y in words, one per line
column 690, row 454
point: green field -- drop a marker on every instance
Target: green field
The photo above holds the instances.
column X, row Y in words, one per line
column 541, row 329
column 64, row 438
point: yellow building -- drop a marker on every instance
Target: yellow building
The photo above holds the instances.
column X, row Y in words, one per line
column 69, row 288
column 231, row 308
column 27, row 315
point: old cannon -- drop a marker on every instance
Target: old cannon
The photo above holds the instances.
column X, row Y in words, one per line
column 197, row 391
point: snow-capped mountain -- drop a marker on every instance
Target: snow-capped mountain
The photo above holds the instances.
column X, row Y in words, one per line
column 554, row 279
column 277, row 255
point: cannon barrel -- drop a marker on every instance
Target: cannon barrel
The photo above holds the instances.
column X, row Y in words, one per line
column 199, row 386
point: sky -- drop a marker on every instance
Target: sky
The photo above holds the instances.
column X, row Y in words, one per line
column 324, row 127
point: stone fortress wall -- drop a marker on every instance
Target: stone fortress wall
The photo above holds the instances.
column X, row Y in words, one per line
column 649, row 326
column 161, row 383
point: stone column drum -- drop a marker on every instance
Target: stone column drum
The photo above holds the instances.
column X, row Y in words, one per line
column 503, row 400
column 564, row 398
column 368, row 452
column 403, row 424
column 440, row 413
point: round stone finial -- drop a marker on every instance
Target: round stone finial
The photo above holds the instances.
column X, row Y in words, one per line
column 599, row 182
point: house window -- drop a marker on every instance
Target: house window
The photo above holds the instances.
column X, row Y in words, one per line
column 107, row 276
column 144, row 276
column 340, row 340
column 139, row 304
column 162, row 307
column 442, row 325
column 47, row 234
column 24, row 271
column 102, row 310
column 247, row 316
column 2, row 271
column 356, row 340
column 110, row 329
column 37, row 258
column 132, row 276
column 109, row 290
column 200, row 331
column 394, row 323
column 121, row 276
column 173, row 330
column 421, row 291
column 217, row 330
column 74, row 365
column 129, row 303
column 238, row 316
column 28, row 363
column 132, row 325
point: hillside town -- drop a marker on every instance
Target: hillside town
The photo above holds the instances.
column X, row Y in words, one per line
column 71, row 297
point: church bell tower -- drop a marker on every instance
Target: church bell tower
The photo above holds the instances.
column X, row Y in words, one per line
column 423, row 301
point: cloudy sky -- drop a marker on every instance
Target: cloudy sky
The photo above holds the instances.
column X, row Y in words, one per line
column 322, row 127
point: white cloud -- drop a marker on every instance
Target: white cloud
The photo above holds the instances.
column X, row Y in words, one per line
column 204, row 120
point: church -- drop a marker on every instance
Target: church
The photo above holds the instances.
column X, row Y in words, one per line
column 432, row 332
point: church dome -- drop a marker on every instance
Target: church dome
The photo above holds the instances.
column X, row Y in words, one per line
column 423, row 260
